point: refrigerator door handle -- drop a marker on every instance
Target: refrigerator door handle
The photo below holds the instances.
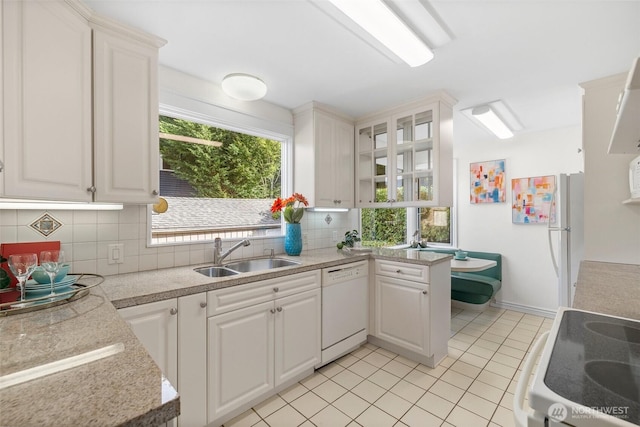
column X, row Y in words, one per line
column 551, row 251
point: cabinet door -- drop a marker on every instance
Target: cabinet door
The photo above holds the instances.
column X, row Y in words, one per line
column 126, row 120
column 402, row 313
column 297, row 334
column 344, row 165
column 373, row 164
column 156, row 326
column 415, row 154
column 47, row 101
column 240, row 353
column 192, row 359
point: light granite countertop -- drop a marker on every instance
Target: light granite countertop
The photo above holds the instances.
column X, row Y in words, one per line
column 609, row 288
column 126, row 388
column 126, row 290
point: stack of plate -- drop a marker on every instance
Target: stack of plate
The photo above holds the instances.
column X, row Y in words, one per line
column 33, row 287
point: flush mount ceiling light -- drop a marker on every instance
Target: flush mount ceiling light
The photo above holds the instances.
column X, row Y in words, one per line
column 377, row 19
column 244, row 87
column 496, row 117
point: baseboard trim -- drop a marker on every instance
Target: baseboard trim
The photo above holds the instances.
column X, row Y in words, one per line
column 525, row 309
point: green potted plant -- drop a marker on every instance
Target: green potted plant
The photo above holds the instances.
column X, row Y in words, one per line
column 4, row 276
column 350, row 239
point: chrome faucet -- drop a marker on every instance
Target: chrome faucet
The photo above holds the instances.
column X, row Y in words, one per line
column 218, row 255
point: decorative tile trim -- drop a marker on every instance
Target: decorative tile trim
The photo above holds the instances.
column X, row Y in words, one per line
column 46, row 224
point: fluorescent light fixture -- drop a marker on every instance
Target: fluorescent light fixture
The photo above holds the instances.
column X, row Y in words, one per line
column 53, row 205
column 377, row 19
column 244, row 87
column 496, row 117
column 328, row 209
column 485, row 115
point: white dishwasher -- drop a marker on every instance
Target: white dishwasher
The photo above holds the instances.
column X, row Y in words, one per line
column 345, row 307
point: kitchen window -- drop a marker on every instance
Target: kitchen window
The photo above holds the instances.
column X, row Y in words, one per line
column 217, row 182
column 396, row 226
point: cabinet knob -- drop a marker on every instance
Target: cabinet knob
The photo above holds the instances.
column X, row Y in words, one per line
column 276, row 289
column 91, row 189
column 154, row 192
column 399, row 271
column 1, row 166
column 272, row 311
column 203, row 304
column 424, row 292
column 173, row 311
column 279, row 309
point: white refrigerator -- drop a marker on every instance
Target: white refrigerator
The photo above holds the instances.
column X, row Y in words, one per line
column 566, row 234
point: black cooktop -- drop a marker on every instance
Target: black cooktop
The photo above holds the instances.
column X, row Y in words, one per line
column 595, row 362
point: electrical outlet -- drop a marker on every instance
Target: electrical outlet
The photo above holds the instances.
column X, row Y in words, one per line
column 115, row 253
column 334, row 236
column 305, row 239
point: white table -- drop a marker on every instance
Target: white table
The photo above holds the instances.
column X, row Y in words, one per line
column 472, row 264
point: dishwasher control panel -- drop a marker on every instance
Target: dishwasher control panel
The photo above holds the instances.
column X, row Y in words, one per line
column 341, row 273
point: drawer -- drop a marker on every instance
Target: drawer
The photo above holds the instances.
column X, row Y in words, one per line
column 240, row 296
column 402, row 270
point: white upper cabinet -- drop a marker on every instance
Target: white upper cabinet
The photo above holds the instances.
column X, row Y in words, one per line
column 405, row 155
column 46, row 107
column 125, row 117
column 79, row 121
column 323, row 156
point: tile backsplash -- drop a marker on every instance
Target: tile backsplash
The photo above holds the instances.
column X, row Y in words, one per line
column 85, row 236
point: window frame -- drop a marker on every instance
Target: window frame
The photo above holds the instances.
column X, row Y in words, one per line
column 286, row 159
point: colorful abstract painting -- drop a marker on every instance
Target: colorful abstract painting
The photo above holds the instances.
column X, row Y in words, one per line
column 532, row 199
column 488, row 182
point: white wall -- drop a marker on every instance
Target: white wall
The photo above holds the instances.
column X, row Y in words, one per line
column 612, row 228
column 528, row 275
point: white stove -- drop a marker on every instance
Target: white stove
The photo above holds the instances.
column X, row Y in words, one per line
column 588, row 374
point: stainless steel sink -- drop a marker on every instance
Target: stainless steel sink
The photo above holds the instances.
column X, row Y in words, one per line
column 215, row 271
column 245, row 266
column 259, row 264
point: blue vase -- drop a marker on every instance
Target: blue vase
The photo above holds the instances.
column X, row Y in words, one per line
column 293, row 239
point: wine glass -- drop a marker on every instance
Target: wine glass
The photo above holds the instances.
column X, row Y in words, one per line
column 22, row 265
column 51, row 261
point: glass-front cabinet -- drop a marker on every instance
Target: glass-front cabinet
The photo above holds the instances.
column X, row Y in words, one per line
column 405, row 156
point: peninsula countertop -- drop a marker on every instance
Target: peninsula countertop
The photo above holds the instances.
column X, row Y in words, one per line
column 125, row 388
column 609, row 288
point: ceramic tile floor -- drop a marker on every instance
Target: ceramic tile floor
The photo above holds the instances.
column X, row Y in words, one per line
column 371, row 386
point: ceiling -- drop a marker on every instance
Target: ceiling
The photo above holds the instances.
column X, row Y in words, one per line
column 532, row 54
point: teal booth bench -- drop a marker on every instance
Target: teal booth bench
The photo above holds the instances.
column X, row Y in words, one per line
column 475, row 290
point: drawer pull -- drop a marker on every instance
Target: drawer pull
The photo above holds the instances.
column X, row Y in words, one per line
column 279, row 309
column 203, row 304
column 173, row 311
column 272, row 311
column 424, row 292
column 399, row 271
column 276, row 289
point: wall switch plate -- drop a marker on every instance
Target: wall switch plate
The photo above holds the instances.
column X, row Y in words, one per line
column 115, row 253
column 305, row 239
column 334, row 236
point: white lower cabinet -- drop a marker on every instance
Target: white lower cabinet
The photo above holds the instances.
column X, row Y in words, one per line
column 192, row 360
column 402, row 313
column 174, row 334
column 156, row 326
column 412, row 309
column 253, row 350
